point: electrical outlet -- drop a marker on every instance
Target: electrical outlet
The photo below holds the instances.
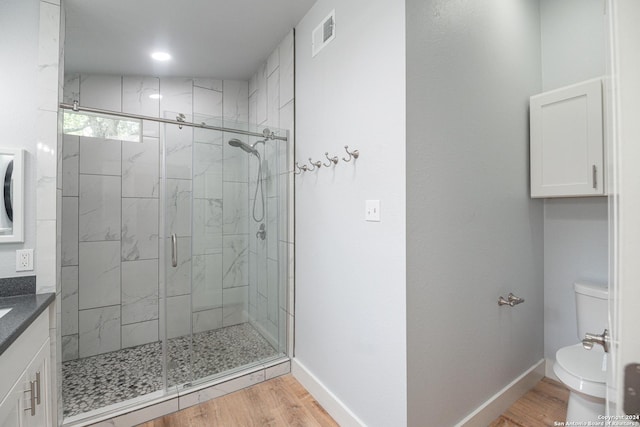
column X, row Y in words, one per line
column 24, row 260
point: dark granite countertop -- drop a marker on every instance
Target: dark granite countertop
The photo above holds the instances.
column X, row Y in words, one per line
column 25, row 309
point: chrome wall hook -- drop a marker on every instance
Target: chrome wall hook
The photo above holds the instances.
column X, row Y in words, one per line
column 333, row 160
column 316, row 165
column 352, row 154
column 303, row 168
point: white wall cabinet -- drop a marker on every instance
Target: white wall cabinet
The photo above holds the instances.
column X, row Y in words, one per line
column 26, row 401
column 567, row 142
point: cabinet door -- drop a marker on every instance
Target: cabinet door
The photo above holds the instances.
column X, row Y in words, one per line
column 38, row 373
column 12, row 407
column 567, row 141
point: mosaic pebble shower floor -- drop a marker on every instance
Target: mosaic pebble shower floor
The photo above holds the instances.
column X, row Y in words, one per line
column 94, row 382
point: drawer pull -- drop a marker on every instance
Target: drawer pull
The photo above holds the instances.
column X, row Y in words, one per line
column 32, row 399
column 38, row 387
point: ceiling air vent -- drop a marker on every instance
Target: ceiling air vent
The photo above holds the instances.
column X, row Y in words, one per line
column 324, row 33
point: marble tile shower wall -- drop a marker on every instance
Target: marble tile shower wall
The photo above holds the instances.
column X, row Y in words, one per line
column 111, row 297
column 271, row 103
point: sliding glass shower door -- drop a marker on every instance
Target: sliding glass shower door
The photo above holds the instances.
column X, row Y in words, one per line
column 222, row 293
column 174, row 255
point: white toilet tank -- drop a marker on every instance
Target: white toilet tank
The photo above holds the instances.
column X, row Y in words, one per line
column 592, row 308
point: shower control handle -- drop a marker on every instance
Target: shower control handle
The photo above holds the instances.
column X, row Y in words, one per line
column 174, row 250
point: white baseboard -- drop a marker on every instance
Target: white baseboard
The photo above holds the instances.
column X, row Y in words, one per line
column 329, row 401
column 548, row 370
column 499, row 402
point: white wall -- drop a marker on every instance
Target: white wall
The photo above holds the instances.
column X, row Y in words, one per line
column 573, row 41
column 473, row 232
column 575, row 230
column 19, row 105
column 350, row 274
column 30, row 86
column 575, row 247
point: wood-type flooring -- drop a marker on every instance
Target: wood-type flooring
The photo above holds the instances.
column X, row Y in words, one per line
column 283, row 402
column 278, row 402
column 541, row 406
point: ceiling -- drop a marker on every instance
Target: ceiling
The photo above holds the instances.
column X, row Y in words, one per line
column 206, row 38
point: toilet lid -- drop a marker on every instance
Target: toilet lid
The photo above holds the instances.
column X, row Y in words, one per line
column 585, row 364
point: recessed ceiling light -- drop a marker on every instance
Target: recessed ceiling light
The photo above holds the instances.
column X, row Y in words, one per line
column 161, row 56
column 155, row 96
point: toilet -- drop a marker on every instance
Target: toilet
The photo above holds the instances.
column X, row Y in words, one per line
column 584, row 371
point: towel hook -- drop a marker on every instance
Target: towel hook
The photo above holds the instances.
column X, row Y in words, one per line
column 317, row 165
column 333, row 160
column 352, row 154
column 304, row 168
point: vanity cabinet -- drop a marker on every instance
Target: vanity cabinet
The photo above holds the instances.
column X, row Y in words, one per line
column 567, row 142
column 25, row 398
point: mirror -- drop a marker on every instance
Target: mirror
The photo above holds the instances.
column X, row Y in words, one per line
column 11, row 202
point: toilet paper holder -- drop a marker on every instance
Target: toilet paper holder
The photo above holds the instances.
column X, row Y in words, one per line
column 511, row 300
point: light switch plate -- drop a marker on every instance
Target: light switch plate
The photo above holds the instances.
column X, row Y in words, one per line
column 372, row 210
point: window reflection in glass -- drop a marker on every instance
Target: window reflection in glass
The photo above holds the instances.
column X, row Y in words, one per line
column 100, row 126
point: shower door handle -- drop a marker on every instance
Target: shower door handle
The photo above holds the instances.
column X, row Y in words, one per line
column 174, row 250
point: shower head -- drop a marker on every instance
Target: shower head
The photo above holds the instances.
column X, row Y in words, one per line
column 251, row 149
column 246, row 147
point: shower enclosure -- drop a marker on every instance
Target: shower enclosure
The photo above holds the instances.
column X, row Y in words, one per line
column 174, row 273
